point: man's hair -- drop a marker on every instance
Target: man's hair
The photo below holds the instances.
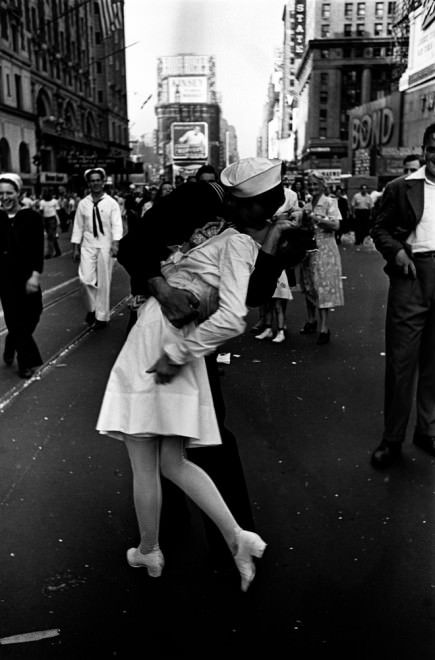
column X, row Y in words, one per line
column 205, row 169
column 411, row 157
column 430, row 130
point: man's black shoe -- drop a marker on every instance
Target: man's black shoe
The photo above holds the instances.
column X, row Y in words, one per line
column 100, row 325
column 386, row 454
column 90, row 318
column 425, row 442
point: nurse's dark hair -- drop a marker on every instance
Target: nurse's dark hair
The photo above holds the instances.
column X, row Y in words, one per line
column 430, row 130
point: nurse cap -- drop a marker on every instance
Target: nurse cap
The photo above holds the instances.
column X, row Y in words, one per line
column 250, row 177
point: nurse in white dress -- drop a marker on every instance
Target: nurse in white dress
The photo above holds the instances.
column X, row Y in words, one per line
column 158, row 398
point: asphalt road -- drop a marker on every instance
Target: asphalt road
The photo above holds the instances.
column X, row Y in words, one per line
column 349, row 569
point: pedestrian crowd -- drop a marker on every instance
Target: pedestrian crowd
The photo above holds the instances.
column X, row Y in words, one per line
column 199, row 253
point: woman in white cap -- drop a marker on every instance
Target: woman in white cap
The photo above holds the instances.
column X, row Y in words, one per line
column 158, row 398
column 95, row 236
column 21, row 264
column 321, row 269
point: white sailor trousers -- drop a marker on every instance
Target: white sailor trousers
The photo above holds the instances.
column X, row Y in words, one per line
column 95, row 274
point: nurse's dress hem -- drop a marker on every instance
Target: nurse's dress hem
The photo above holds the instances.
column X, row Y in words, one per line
column 134, row 405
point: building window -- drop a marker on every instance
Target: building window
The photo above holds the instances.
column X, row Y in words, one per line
column 14, row 34
column 377, row 52
column 324, row 54
column 4, row 24
column 8, row 85
column 24, row 157
column 391, row 8
column 323, row 97
column 323, row 114
column 18, row 92
column 360, row 29
column 326, row 10
column 98, row 37
column 99, row 67
column 322, row 130
column 348, row 9
column 379, row 10
column 100, row 96
column 5, row 155
column 348, row 29
column 389, row 29
column 324, row 30
column 361, row 10
column 324, row 80
column 377, row 30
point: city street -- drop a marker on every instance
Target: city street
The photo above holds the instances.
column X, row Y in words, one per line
column 349, row 570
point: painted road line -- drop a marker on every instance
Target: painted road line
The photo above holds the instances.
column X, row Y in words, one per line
column 7, row 399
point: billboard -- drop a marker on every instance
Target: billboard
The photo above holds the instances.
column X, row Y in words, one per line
column 299, row 33
column 421, row 63
column 189, row 140
column 187, row 89
column 176, row 65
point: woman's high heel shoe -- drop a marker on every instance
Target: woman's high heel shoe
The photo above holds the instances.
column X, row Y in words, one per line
column 153, row 561
column 249, row 545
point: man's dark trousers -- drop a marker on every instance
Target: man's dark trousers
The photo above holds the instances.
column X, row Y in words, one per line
column 410, row 348
column 362, row 225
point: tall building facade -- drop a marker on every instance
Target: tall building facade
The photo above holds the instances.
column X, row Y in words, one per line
column 63, row 100
column 348, row 61
column 276, row 135
column 188, row 113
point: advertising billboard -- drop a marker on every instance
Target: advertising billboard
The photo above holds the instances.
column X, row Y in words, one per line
column 299, row 38
column 189, row 140
column 421, row 64
column 176, row 65
column 187, row 89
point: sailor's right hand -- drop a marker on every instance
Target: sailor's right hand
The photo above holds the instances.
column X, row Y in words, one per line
column 76, row 253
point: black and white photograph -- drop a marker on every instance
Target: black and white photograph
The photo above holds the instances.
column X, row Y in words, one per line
column 217, row 329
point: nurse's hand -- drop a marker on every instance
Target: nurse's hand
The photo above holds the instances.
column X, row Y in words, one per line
column 164, row 369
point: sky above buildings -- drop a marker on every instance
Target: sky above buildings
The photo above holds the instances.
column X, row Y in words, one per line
column 243, row 35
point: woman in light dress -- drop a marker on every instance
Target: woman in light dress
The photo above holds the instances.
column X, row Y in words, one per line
column 158, row 398
column 321, row 269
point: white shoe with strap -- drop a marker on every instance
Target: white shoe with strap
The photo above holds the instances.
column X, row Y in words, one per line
column 266, row 334
column 153, row 561
column 249, row 545
column 279, row 338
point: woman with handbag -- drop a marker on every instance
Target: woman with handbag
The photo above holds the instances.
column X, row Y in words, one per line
column 321, row 269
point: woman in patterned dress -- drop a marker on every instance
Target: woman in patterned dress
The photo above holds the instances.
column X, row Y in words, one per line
column 321, row 269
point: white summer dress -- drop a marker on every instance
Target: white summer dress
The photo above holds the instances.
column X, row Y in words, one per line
column 217, row 272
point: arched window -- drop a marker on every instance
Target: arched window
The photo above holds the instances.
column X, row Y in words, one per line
column 24, row 157
column 70, row 116
column 43, row 104
column 5, row 155
column 90, row 125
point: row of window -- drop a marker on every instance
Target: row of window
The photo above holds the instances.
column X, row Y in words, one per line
column 380, row 9
column 360, row 30
column 357, row 52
